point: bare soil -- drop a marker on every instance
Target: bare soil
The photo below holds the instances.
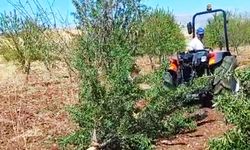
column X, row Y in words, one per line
column 212, row 126
column 33, row 114
column 243, row 57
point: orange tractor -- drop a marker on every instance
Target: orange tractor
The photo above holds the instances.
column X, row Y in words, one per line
column 196, row 63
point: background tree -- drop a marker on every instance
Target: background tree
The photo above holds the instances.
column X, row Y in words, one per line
column 239, row 34
column 22, row 39
column 214, row 32
column 238, row 31
column 161, row 34
column 27, row 36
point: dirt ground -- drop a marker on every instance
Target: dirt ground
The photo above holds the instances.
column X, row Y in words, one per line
column 212, row 126
column 243, row 57
column 33, row 114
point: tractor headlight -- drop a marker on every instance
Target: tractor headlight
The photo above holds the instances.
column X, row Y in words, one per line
column 203, row 58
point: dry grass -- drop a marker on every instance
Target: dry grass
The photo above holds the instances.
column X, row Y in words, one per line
column 145, row 64
column 33, row 115
column 244, row 57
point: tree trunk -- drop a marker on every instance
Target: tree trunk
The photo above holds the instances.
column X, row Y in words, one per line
column 27, row 69
column 236, row 50
column 160, row 59
column 151, row 62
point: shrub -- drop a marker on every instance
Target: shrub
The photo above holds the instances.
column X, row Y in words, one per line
column 107, row 98
column 104, row 59
column 234, row 139
column 236, row 109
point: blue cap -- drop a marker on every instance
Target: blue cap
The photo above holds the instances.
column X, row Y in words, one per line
column 200, row 30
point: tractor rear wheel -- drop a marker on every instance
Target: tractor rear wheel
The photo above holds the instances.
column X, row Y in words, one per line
column 224, row 76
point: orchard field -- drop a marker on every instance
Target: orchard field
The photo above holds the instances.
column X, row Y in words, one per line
column 98, row 85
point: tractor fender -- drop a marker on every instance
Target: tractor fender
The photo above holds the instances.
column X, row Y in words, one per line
column 173, row 65
column 217, row 57
column 170, row 74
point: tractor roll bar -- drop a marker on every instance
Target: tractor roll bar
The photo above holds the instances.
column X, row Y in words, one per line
column 214, row 11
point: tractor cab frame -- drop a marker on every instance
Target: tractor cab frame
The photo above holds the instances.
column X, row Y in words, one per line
column 191, row 26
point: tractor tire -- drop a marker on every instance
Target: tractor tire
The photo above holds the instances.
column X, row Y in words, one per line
column 224, row 76
column 168, row 80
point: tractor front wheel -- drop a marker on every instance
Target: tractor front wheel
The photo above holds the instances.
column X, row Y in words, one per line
column 169, row 80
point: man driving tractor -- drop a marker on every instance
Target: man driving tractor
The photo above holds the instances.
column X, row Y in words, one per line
column 196, row 42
